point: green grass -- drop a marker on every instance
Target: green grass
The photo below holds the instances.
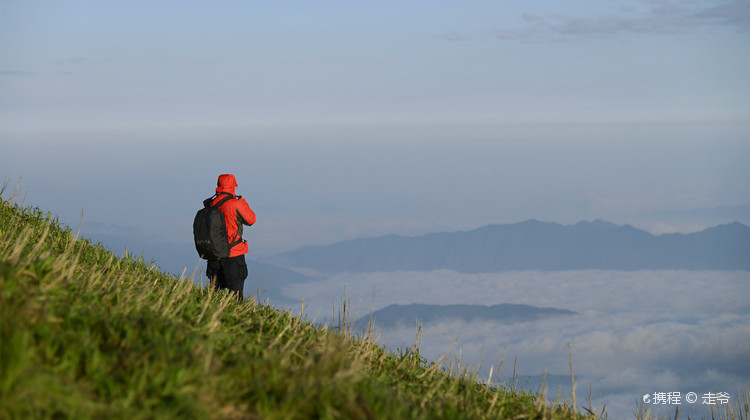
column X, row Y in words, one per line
column 86, row 334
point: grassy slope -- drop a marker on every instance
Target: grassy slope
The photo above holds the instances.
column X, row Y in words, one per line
column 84, row 334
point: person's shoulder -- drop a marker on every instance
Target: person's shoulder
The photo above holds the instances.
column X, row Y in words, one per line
column 236, row 201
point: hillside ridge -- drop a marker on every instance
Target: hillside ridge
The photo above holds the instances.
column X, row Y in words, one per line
column 85, row 334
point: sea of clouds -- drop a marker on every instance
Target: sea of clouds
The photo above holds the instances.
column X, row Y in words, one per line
column 637, row 332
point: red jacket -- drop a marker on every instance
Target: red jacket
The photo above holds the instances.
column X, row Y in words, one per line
column 236, row 213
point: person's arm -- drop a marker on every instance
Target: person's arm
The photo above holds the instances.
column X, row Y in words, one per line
column 245, row 213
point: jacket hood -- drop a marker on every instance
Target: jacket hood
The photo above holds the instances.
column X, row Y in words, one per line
column 226, row 183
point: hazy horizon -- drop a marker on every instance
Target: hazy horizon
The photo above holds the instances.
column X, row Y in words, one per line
column 324, row 191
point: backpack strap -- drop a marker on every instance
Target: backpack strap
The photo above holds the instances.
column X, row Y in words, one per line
column 208, row 202
column 238, row 237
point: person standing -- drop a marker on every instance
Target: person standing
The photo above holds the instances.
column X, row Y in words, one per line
column 230, row 272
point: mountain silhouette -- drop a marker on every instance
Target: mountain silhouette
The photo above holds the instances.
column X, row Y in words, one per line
column 533, row 245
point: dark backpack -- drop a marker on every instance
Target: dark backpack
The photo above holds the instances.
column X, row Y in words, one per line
column 210, row 231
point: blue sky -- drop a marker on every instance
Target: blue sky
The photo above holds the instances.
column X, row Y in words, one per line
column 343, row 119
column 302, row 65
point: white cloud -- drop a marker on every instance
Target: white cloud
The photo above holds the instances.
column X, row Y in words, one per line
column 454, row 36
column 530, row 16
column 649, row 17
column 735, row 13
column 16, row 73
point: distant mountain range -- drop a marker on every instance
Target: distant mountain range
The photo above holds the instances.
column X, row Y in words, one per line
column 407, row 315
column 533, row 245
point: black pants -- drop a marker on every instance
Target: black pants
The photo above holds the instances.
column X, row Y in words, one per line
column 228, row 273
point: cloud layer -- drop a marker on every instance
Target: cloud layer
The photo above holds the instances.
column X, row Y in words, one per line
column 639, row 332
